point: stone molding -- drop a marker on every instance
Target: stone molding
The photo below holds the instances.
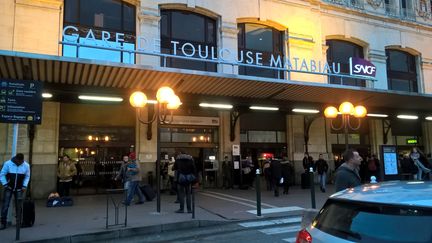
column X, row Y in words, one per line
column 149, row 16
column 377, row 56
column 52, row 4
column 229, row 30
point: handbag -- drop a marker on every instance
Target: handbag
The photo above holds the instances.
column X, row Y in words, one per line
column 186, row 179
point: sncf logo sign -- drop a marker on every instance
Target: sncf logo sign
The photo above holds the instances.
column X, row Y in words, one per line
column 361, row 67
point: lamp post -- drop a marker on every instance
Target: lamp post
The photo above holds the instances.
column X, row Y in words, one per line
column 167, row 102
column 347, row 110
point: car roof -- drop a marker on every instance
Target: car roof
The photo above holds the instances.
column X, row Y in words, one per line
column 410, row 193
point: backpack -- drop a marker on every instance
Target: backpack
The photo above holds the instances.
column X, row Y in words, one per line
column 372, row 165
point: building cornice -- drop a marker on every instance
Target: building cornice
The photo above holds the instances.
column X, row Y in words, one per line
column 377, row 56
column 52, row 4
column 427, row 63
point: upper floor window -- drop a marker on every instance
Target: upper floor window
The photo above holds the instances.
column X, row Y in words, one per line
column 340, row 52
column 101, row 15
column 195, row 35
column 258, row 38
column 401, row 71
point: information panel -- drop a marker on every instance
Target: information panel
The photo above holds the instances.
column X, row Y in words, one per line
column 20, row 101
column 390, row 160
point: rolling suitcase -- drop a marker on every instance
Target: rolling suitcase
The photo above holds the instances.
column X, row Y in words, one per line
column 148, row 192
column 305, row 183
column 28, row 213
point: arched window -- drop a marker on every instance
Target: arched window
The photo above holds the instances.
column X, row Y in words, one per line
column 101, row 15
column 401, row 71
column 259, row 39
column 339, row 52
column 197, row 30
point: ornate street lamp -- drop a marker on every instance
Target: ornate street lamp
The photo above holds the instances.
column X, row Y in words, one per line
column 346, row 109
column 167, row 102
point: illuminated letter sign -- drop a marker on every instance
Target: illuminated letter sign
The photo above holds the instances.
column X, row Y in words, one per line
column 361, row 67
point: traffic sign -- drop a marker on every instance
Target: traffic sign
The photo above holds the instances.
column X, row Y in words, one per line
column 20, row 101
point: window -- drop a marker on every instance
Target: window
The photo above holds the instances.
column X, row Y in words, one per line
column 340, row 52
column 189, row 135
column 401, row 71
column 200, row 32
column 100, row 15
column 259, row 39
column 373, row 222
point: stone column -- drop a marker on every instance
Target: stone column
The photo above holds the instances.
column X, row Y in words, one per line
column 229, row 42
column 148, row 35
column 378, row 58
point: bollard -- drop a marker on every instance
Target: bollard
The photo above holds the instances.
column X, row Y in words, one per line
column 193, row 202
column 18, row 213
column 258, row 192
column 312, row 186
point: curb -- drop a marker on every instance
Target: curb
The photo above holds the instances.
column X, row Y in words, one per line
column 112, row 234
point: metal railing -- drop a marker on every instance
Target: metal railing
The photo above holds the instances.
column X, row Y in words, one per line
column 358, row 4
column 391, row 10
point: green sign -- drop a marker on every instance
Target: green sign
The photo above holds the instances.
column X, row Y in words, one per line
column 411, row 141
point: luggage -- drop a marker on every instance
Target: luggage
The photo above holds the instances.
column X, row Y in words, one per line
column 59, row 202
column 305, row 181
column 28, row 213
column 148, row 192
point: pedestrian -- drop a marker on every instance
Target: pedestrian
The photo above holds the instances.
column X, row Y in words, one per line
column 173, row 179
column 306, row 162
column 65, row 172
column 287, row 174
column 276, row 172
column 373, row 167
column 227, row 168
column 186, row 176
column 322, row 168
column 121, row 175
column 133, row 178
column 417, row 156
column 347, row 175
column 408, row 168
column 14, row 176
column 267, row 175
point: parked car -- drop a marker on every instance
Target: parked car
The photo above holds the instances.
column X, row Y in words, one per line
column 393, row 211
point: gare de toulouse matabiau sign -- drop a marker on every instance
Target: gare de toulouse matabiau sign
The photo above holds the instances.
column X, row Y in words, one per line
column 358, row 66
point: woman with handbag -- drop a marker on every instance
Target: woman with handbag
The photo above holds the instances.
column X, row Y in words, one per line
column 186, row 176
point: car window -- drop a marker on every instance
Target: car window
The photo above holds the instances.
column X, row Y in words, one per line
column 370, row 222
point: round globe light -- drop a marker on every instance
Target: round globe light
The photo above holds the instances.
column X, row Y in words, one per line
column 360, row 111
column 138, row 99
column 164, row 94
column 346, row 108
column 173, row 103
column 331, row 112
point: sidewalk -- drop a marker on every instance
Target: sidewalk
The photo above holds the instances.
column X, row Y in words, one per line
column 88, row 215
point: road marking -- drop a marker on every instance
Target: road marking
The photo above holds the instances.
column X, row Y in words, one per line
column 276, row 210
column 271, row 222
column 281, row 230
column 240, row 198
column 291, row 240
column 229, row 200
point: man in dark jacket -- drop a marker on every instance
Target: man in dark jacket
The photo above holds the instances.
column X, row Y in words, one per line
column 276, row 173
column 287, row 174
column 14, row 176
column 185, row 167
column 322, row 168
column 347, row 176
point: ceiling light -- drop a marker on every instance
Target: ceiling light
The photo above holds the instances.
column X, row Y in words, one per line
column 220, row 106
column 409, row 117
column 305, row 110
column 429, row 118
column 376, row 115
column 100, row 98
column 264, row 108
column 46, row 95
